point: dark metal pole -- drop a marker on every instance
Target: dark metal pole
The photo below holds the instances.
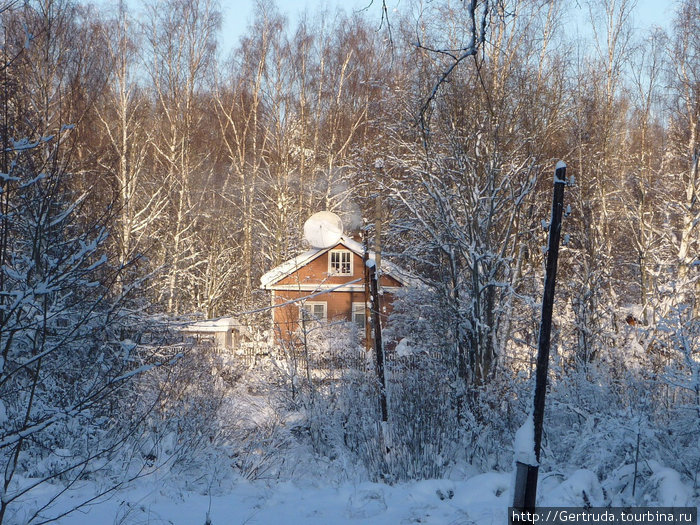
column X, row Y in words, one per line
column 526, row 475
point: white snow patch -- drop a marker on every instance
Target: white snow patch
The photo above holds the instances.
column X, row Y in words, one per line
column 581, row 489
column 491, row 487
column 672, row 491
column 524, row 445
column 560, row 165
column 366, row 504
column 404, row 349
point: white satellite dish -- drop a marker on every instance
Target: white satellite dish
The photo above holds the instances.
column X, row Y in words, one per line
column 323, row 229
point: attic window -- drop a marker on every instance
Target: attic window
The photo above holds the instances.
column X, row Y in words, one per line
column 340, row 262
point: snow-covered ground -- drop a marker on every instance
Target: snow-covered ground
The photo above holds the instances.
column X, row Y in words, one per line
column 482, row 499
column 267, row 472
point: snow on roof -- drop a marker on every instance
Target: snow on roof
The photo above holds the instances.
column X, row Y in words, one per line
column 292, row 265
column 221, row 324
column 388, row 267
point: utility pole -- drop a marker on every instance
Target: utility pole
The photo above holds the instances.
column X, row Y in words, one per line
column 526, row 475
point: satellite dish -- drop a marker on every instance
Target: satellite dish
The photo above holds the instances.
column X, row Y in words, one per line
column 323, row 229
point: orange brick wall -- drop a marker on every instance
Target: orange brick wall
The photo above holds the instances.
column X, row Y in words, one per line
column 338, row 308
column 316, row 272
column 338, row 303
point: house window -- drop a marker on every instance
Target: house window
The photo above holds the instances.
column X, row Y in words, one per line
column 359, row 315
column 340, row 262
column 313, row 312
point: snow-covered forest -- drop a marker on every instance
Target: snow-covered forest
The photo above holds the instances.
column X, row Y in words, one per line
column 149, row 177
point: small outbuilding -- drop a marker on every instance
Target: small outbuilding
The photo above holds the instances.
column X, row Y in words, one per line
column 226, row 333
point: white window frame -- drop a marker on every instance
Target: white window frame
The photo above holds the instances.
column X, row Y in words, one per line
column 308, row 307
column 332, row 270
column 359, row 308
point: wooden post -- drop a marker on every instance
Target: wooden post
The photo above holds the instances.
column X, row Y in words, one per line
column 525, row 492
column 368, row 312
column 378, row 345
column 378, row 231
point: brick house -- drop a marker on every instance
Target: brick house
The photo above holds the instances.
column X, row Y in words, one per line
column 327, row 285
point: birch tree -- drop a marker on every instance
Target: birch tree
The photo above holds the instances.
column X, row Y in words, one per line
column 685, row 144
column 181, row 38
column 600, row 150
column 644, row 200
column 239, row 101
column 123, row 114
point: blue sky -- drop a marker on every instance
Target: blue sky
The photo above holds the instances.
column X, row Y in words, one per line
column 238, row 13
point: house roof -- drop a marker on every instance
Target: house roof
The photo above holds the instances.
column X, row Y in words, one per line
column 221, row 324
column 292, row 265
